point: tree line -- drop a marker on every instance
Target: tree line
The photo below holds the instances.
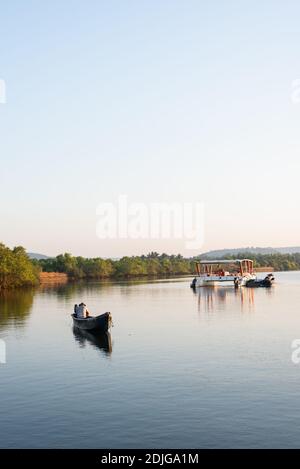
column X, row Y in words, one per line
column 153, row 264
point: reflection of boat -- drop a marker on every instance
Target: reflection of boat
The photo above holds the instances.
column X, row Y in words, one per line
column 98, row 323
column 99, row 341
column 222, row 299
column 266, row 282
column 224, row 272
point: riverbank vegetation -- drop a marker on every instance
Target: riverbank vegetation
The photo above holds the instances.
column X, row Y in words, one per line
column 136, row 266
column 16, row 269
column 152, row 265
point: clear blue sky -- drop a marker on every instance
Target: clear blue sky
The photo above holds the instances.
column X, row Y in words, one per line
column 161, row 100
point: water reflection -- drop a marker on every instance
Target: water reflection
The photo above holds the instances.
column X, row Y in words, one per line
column 101, row 342
column 65, row 291
column 83, row 288
column 210, row 299
column 15, row 307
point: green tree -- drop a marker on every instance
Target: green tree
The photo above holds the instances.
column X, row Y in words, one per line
column 16, row 269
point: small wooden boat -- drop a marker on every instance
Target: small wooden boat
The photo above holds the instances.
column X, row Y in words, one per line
column 94, row 324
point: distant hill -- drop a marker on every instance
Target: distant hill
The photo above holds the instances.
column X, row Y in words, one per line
column 34, row 255
column 253, row 250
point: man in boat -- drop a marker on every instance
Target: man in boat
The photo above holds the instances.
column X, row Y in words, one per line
column 82, row 311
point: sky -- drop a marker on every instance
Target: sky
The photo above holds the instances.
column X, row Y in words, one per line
column 161, row 101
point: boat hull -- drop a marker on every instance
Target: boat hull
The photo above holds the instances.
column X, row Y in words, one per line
column 217, row 281
column 100, row 323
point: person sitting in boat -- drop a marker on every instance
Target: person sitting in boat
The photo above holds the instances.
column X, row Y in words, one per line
column 82, row 311
column 75, row 309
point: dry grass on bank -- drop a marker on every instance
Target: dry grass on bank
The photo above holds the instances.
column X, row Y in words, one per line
column 53, row 277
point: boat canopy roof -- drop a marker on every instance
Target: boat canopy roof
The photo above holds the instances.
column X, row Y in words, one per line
column 225, row 261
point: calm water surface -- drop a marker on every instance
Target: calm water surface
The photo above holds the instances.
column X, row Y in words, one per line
column 180, row 369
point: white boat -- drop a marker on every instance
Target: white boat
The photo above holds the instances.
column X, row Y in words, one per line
column 226, row 272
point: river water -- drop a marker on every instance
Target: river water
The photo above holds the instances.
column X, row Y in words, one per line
column 180, row 369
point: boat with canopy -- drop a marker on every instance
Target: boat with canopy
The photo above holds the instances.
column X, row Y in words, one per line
column 228, row 272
